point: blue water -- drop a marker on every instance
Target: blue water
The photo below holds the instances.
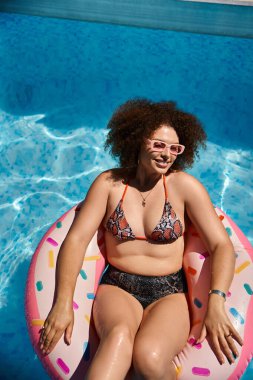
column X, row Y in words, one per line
column 60, row 81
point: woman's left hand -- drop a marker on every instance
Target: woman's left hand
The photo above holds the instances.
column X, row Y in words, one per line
column 220, row 332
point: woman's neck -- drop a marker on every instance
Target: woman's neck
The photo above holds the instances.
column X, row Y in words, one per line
column 144, row 181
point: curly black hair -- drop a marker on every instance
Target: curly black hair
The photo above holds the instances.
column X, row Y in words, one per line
column 138, row 118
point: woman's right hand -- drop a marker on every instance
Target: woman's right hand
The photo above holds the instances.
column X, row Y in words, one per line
column 59, row 320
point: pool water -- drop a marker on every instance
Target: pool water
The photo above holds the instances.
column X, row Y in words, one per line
column 60, row 80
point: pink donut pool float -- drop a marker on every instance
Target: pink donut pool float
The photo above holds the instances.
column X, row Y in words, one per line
column 195, row 362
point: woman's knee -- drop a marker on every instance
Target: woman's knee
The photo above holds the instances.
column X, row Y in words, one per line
column 150, row 361
column 119, row 336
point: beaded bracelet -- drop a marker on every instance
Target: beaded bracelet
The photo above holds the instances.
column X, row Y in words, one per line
column 219, row 292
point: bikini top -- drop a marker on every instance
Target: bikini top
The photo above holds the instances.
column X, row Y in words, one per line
column 167, row 230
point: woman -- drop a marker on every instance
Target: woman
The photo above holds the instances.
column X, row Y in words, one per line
column 141, row 312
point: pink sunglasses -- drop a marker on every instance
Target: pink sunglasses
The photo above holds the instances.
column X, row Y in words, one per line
column 160, row 146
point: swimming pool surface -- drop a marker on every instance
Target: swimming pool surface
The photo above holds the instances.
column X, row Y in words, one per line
column 60, row 80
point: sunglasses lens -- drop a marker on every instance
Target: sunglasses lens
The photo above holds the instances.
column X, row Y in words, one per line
column 176, row 149
column 159, row 145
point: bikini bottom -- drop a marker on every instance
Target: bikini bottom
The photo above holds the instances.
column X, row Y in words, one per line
column 146, row 289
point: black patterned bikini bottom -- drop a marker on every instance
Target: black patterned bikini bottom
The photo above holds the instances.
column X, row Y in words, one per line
column 146, row 289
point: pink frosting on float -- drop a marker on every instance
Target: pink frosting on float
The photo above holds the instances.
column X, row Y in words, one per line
column 243, row 239
column 31, row 307
column 248, row 329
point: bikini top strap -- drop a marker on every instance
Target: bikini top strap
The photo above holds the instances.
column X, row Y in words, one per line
column 165, row 188
column 124, row 193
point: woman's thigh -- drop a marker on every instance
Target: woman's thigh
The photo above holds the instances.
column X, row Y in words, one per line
column 115, row 308
column 165, row 327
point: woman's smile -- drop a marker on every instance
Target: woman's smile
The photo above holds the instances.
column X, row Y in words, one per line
column 162, row 163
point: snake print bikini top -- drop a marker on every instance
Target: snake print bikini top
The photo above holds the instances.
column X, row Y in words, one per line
column 167, row 230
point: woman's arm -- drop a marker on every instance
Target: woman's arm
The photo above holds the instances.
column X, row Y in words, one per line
column 70, row 260
column 83, row 228
column 212, row 232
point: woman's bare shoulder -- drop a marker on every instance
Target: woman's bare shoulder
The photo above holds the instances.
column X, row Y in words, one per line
column 111, row 178
column 185, row 178
column 187, row 184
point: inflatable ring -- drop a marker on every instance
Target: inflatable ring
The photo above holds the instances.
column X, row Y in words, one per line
column 196, row 361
